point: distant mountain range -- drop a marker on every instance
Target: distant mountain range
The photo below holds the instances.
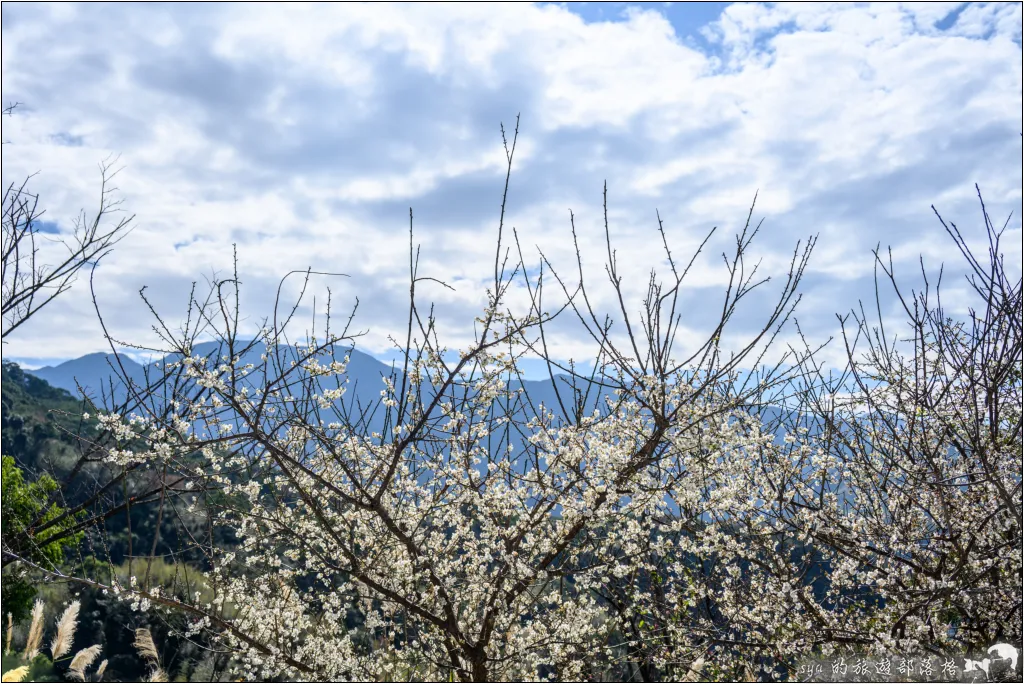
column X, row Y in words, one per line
column 96, row 375
column 90, row 371
column 99, row 376
column 95, row 372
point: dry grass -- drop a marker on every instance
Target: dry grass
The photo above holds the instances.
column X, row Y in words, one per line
column 66, row 626
column 145, row 646
column 16, row 675
column 82, row 660
column 35, row 631
column 60, row 646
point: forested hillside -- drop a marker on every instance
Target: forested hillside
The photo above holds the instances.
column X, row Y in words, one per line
column 49, row 462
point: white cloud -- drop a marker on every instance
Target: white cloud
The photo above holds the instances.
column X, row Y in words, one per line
column 304, row 133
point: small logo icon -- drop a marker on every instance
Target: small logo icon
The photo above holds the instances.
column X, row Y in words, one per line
column 997, row 652
column 1005, row 652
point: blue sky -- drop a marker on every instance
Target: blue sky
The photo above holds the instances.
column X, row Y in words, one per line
column 305, row 133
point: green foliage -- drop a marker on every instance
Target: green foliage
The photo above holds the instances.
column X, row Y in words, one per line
column 17, row 596
column 43, row 429
column 40, row 669
column 39, row 422
column 26, row 507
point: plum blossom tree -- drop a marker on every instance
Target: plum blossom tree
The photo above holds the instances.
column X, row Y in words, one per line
column 888, row 518
column 671, row 514
column 926, row 441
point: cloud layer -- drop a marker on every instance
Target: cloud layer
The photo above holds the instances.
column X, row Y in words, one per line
column 303, row 134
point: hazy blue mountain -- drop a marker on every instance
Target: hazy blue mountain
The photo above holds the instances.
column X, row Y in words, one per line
column 96, row 373
column 365, row 373
column 92, row 371
column 99, row 372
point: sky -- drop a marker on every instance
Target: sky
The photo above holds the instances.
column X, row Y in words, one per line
column 304, row 135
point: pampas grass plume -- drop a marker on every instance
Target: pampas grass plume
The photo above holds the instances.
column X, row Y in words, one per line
column 35, row 631
column 16, row 675
column 147, row 649
column 66, row 626
column 145, row 646
column 82, row 660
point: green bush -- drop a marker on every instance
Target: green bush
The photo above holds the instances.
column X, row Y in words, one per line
column 26, row 506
